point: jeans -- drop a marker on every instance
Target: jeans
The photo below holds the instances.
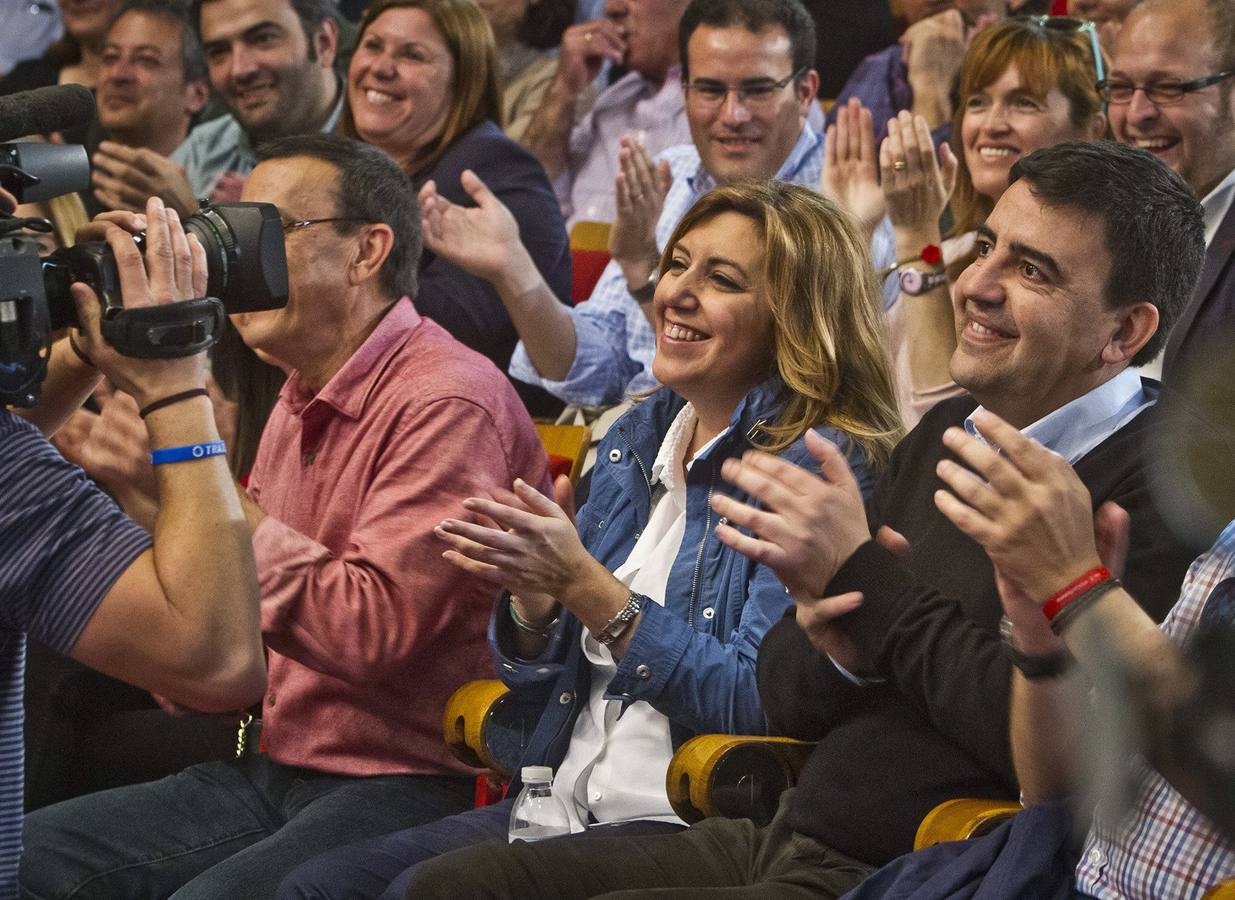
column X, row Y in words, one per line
column 224, row 829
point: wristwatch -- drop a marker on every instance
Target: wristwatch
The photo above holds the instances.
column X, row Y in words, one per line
column 644, row 292
column 1050, row 665
column 915, row 282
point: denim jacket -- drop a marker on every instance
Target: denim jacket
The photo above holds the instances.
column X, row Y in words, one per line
column 693, row 659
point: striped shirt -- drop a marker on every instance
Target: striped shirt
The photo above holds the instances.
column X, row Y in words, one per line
column 64, row 544
column 1166, row 848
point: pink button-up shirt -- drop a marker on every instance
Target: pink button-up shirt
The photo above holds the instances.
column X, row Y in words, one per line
column 368, row 629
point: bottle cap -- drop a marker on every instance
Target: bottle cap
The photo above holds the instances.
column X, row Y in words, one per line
column 536, row 773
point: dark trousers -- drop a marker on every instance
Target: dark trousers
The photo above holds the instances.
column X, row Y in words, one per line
column 718, row 857
column 218, row 830
column 383, row 867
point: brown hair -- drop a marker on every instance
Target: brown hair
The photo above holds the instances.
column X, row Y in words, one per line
column 826, row 312
column 1045, row 58
column 474, row 89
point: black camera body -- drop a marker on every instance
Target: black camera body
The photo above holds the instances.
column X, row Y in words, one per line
column 246, row 272
column 245, row 261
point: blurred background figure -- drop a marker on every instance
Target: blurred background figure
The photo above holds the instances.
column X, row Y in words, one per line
column 527, row 34
column 26, row 30
column 152, row 87
column 73, row 59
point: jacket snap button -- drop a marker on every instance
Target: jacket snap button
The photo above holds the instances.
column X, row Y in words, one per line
column 643, row 672
column 615, row 455
column 564, row 698
column 708, row 612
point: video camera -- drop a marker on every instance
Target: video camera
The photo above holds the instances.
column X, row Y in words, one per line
column 246, row 263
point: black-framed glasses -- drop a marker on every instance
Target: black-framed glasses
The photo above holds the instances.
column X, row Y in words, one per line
column 289, row 227
column 1162, row 93
column 754, row 93
column 1071, row 25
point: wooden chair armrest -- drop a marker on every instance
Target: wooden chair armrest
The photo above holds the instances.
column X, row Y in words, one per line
column 959, row 820
column 1223, row 891
column 736, row 776
column 463, row 724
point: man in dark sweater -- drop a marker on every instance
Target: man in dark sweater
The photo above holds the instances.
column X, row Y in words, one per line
column 892, row 660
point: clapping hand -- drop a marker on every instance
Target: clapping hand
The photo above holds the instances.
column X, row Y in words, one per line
column 640, row 189
column 850, row 166
column 916, row 187
column 482, row 240
column 125, row 177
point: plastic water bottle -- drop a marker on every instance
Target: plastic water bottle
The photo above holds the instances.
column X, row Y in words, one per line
column 537, row 814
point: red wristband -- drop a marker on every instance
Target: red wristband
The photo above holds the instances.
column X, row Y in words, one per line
column 1057, row 601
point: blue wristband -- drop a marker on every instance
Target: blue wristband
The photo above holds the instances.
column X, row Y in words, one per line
column 188, row 452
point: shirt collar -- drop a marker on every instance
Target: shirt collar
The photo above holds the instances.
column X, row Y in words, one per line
column 808, row 141
column 348, row 389
column 1080, row 425
column 1216, row 205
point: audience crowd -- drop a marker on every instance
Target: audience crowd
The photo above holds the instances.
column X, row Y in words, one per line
column 907, row 377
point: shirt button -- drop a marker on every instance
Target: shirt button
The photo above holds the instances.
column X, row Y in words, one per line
column 309, row 458
column 1096, row 857
column 596, row 795
column 708, row 612
column 270, row 699
column 643, row 672
column 615, row 455
column 564, row 698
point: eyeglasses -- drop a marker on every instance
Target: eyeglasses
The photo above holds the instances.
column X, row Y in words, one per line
column 1164, row 93
column 754, row 94
column 1071, row 25
column 289, row 227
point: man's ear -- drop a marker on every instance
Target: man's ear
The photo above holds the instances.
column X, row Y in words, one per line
column 808, row 89
column 1137, row 323
column 372, row 251
column 196, row 93
column 326, row 42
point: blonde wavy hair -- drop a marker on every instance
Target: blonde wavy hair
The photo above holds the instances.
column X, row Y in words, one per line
column 1045, row 58
column 827, row 319
column 476, row 93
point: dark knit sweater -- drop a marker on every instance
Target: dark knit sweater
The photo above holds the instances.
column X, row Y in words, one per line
column 938, row 727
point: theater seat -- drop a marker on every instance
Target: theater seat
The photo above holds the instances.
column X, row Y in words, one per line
column 734, row 776
column 589, row 254
column 567, row 446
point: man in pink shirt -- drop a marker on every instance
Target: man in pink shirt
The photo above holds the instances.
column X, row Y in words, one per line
column 385, row 424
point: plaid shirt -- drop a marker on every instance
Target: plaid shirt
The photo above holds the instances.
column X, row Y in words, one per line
column 615, row 342
column 1167, row 849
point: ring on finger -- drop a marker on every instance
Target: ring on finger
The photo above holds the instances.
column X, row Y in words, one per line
column 899, row 165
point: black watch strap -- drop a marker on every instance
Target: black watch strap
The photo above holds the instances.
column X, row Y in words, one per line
column 1050, row 665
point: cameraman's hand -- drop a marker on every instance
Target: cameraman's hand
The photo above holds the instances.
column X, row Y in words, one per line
column 176, row 264
column 96, row 228
column 124, row 177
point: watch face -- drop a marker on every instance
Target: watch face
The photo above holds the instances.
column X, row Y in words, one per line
column 911, row 281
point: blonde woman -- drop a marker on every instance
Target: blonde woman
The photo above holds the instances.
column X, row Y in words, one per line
column 767, row 321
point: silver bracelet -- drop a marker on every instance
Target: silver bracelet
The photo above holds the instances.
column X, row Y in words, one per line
column 617, row 626
column 525, row 626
